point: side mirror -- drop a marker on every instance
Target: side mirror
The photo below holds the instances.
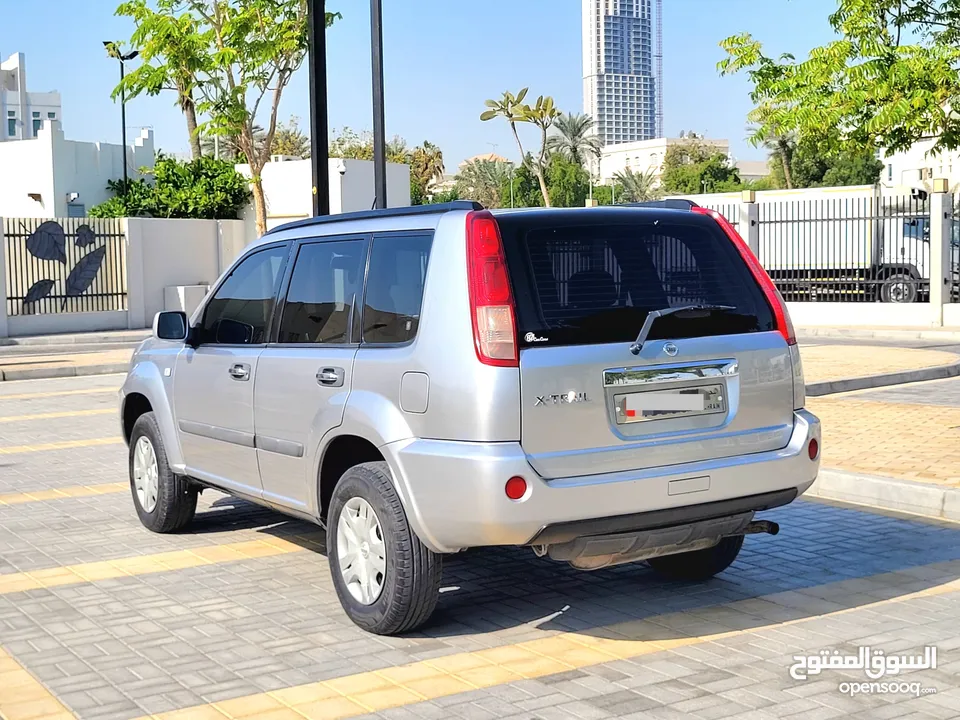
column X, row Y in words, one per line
column 170, row 325
column 232, row 332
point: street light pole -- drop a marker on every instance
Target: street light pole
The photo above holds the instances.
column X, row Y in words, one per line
column 379, row 133
column 113, row 50
column 319, row 141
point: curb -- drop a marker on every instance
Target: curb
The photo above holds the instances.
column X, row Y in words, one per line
column 831, row 387
column 925, row 499
column 46, row 373
column 879, row 334
column 110, row 338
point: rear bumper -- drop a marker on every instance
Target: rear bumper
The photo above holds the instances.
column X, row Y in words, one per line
column 454, row 491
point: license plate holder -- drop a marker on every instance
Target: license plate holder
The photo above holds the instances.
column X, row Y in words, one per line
column 669, row 404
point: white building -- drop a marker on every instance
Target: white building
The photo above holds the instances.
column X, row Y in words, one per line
column 619, row 87
column 288, row 186
column 50, row 176
column 23, row 112
column 645, row 156
column 916, row 167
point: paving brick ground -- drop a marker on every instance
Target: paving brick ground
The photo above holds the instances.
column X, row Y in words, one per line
column 910, row 432
column 161, row 640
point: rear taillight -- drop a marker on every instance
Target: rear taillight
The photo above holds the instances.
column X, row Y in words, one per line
column 779, row 307
column 491, row 300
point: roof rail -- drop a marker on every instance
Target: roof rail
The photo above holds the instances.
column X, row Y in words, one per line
column 388, row 212
column 669, row 203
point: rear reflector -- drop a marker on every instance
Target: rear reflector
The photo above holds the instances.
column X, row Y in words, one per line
column 491, row 299
column 813, row 449
column 516, row 487
column 775, row 300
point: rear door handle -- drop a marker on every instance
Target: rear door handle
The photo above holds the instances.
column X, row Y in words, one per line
column 330, row 376
column 239, row 371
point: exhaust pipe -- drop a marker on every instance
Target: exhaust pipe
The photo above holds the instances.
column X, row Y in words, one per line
column 762, row 526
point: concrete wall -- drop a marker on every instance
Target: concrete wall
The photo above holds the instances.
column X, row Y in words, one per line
column 164, row 253
column 863, row 314
column 160, row 253
column 52, row 166
column 15, row 96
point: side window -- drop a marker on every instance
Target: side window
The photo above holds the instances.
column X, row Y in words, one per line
column 240, row 311
column 323, row 291
column 398, row 270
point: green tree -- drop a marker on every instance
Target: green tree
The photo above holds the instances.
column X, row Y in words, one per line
column 250, row 51
column 567, row 181
column 481, row 180
column 575, row 138
column 890, row 78
column 201, row 188
column 351, row 145
column 526, row 188
column 635, row 186
column 290, row 140
column 174, row 50
column 693, row 166
column 814, row 168
column 542, row 114
column 444, row 197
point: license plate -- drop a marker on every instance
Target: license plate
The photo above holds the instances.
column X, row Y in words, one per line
column 663, row 404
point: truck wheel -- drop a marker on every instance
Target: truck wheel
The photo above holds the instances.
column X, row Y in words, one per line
column 899, row 288
column 388, row 582
column 699, row 564
column 165, row 502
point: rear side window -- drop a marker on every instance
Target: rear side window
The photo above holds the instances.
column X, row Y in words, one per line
column 587, row 283
column 322, row 293
column 398, row 271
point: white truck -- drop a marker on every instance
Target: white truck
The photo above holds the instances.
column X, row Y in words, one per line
column 843, row 243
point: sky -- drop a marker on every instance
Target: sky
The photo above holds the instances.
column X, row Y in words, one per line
column 442, row 59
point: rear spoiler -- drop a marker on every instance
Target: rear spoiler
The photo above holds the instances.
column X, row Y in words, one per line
column 669, row 204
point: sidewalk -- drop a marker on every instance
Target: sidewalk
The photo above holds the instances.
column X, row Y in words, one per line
column 896, row 448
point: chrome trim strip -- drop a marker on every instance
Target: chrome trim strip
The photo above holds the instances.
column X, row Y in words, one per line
column 281, row 447
column 680, row 372
column 214, row 432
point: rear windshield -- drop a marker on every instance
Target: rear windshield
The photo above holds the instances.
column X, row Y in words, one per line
column 582, row 280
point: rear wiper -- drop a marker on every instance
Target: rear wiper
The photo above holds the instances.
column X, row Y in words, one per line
column 655, row 315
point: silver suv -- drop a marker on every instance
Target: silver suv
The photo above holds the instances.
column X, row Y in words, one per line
column 602, row 385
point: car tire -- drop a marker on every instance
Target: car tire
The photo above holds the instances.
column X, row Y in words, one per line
column 699, row 564
column 388, row 581
column 899, row 288
column 165, row 502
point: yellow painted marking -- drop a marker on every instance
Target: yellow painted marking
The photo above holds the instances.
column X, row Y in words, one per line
column 63, row 445
column 54, row 415
column 73, row 491
column 59, row 393
column 379, row 690
column 23, row 697
column 147, row 564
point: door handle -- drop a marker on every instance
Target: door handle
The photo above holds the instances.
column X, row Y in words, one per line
column 239, row 372
column 330, row 376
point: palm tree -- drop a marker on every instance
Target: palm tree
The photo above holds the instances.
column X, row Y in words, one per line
column 780, row 141
column 426, row 164
column 481, row 180
column 396, row 150
column 637, row 187
column 575, row 138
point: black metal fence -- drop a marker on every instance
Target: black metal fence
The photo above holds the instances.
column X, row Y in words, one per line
column 848, row 249
column 64, row 265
